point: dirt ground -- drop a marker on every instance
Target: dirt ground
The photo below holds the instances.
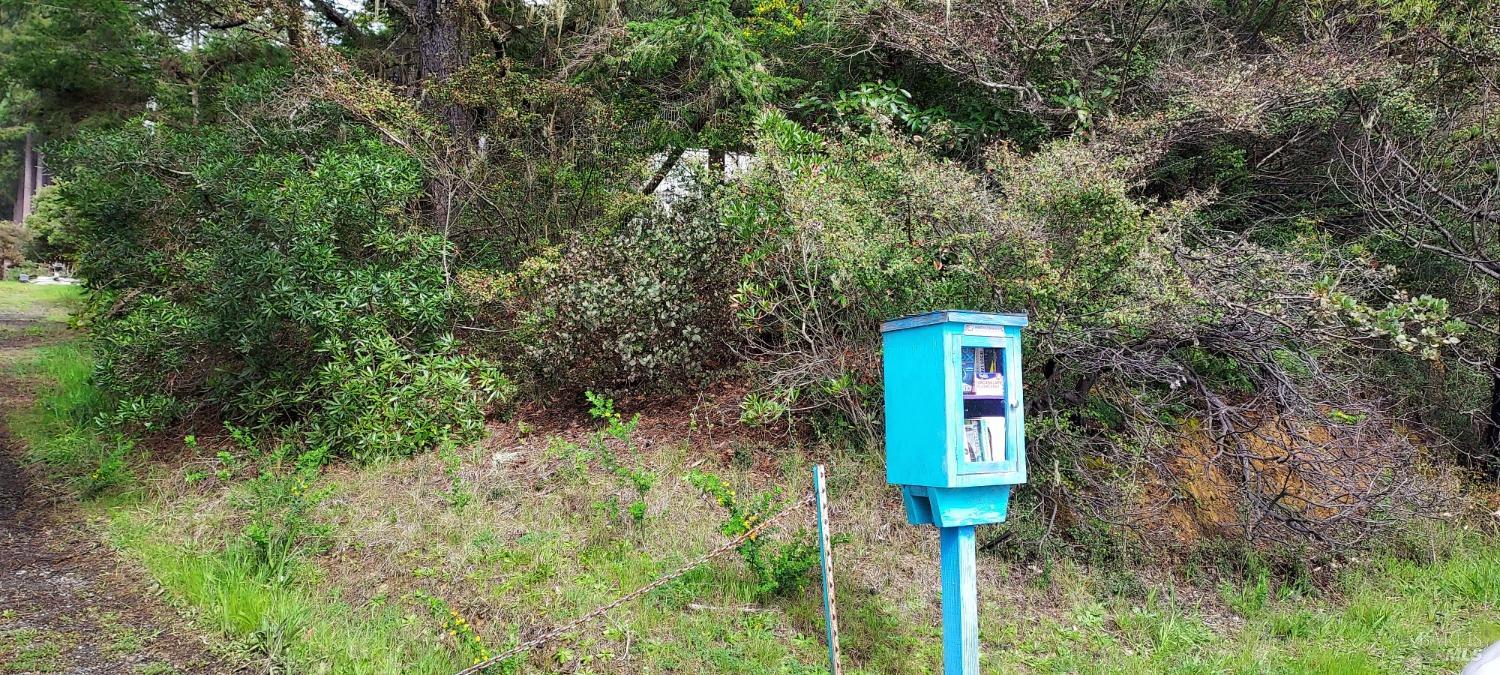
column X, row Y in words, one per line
column 67, row 603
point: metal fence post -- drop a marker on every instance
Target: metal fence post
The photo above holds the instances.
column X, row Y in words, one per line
column 825, row 548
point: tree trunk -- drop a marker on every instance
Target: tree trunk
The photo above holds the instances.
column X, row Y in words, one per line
column 18, row 209
column 292, row 16
column 1492, row 425
column 441, row 52
column 28, row 177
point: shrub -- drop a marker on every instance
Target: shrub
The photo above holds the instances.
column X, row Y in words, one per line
column 841, row 235
column 54, row 228
column 272, row 270
column 1141, row 313
column 14, row 240
column 643, row 304
column 621, row 431
column 381, row 398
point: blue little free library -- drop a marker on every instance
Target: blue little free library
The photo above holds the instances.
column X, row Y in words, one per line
column 955, row 441
column 954, row 435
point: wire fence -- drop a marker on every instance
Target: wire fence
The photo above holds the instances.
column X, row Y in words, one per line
column 600, row 611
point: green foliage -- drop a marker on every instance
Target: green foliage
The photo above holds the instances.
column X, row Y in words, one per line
column 837, row 237
column 871, row 105
column 710, row 56
column 621, row 431
column 576, row 144
column 1250, row 598
column 842, row 235
column 457, row 627
column 642, row 305
column 613, row 447
column 281, row 528
column 1421, row 325
column 359, row 247
column 41, row 54
column 63, row 431
column 275, row 286
column 54, row 228
column 758, row 409
column 780, row 568
column 285, row 625
column 14, row 242
column 1224, row 373
column 382, row 399
column 278, row 503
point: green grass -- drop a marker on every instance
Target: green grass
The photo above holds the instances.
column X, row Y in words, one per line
column 1386, row 615
column 30, row 312
column 302, row 627
column 291, row 626
column 124, row 639
column 58, row 429
column 32, row 650
column 50, row 303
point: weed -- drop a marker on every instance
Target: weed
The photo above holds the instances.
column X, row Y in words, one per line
column 458, row 495
column 1249, row 598
column 112, row 470
column 124, row 639
column 280, row 504
column 780, row 569
column 576, row 458
column 758, row 409
column 190, row 442
column 457, row 627
column 621, row 431
column 228, row 465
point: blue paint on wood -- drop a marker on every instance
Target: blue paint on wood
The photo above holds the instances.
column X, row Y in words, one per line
column 925, row 410
column 918, row 505
column 954, row 316
column 917, row 380
column 952, row 507
column 960, row 601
